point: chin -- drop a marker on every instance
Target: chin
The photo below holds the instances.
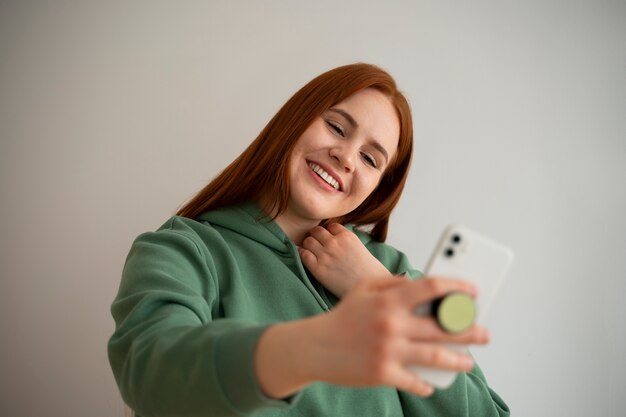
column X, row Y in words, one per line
column 316, row 211
column 318, row 214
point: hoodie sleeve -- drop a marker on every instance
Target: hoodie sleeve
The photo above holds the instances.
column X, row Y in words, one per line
column 468, row 396
column 170, row 354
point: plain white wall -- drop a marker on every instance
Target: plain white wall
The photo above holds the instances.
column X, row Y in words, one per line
column 113, row 113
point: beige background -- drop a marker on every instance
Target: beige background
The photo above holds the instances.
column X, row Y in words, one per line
column 113, row 113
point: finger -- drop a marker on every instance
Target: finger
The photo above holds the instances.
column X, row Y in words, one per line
column 426, row 329
column 435, row 355
column 312, row 244
column 322, row 235
column 307, row 257
column 406, row 380
column 336, row 228
column 427, row 289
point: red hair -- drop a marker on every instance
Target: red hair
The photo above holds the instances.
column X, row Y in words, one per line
column 247, row 177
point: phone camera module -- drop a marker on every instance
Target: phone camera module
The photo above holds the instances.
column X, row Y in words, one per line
column 456, row 238
column 449, row 252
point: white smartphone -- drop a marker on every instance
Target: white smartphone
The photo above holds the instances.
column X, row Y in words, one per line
column 464, row 254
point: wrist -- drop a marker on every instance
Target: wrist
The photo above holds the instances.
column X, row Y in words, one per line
column 379, row 271
column 281, row 359
column 374, row 273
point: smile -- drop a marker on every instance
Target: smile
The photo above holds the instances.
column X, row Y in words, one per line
column 324, row 175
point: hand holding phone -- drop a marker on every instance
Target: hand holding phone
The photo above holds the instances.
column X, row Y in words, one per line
column 464, row 254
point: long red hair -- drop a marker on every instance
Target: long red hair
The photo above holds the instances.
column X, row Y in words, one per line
column 248, row 178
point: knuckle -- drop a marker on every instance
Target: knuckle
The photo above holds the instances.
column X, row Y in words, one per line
column 384, row 326
column 335, row 227
column 433, row 285
column 436, row 356
column 332, row 243
column 314, row 233
column 381, row 303
column 308, row 241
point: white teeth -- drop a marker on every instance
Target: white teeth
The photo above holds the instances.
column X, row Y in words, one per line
column 324, row 175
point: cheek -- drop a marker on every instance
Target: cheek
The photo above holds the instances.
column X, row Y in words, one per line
column 313, row 137
column 367, row 184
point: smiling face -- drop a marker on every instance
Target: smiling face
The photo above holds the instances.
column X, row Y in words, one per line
column 340, row 158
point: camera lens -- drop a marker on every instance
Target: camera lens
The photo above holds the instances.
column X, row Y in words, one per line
column 449, row 252
column 456, row 238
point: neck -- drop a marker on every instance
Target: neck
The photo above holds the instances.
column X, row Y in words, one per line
column 295, row 229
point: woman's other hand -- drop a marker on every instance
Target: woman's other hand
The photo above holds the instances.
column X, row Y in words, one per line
column 338, row 259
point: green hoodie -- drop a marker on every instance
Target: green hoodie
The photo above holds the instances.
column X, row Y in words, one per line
column 195, row 297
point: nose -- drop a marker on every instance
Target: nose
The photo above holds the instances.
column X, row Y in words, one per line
column 344, row 156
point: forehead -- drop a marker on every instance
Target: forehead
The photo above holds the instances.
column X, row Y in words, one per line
column 376, row 117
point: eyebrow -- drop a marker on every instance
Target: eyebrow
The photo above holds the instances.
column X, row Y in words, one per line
column 355, row 125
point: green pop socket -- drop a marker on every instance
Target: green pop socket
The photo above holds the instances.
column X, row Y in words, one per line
column 455, row 312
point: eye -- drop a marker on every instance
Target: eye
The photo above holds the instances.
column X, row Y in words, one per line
column 336, row 127
column 369, row 159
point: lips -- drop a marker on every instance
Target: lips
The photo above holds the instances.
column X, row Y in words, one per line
column 326, row 176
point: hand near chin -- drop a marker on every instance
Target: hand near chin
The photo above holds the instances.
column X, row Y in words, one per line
column 338, row 259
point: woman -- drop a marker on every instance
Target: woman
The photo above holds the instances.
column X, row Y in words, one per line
column 272, row 292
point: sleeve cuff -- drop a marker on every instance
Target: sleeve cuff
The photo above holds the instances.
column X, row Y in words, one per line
column 234, row 365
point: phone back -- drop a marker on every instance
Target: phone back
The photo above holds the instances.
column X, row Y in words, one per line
column 464, row 254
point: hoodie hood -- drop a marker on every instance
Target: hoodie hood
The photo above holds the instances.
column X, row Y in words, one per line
column 254, row 224
column 258, row 226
